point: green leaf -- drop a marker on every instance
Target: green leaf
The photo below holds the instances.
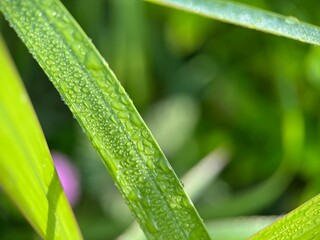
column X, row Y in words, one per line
column 301, row 223
column 108, row 117
column 27, row 171
column 239, row 228
column 196, row 182
column 250, row 17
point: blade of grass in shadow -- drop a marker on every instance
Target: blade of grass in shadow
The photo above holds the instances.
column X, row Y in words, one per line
column 250, row 17
column 265, row 193
column 198, row 179
column 301, row 223
column 27, row 171
column 239, row 228
column 108, row 117
column 131, row 64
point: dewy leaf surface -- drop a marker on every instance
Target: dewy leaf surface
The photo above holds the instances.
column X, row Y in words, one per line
column 301, row 223
column 27, row 173
column 108, row 117
column 250, row 17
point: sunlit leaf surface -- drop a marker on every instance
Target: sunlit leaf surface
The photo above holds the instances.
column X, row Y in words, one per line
column 250, row 17
column 108, row 117
column 27, row 171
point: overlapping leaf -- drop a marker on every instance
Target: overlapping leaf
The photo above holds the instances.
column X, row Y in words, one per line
column 27, row 171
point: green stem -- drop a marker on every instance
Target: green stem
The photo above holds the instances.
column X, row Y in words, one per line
column 250, row 17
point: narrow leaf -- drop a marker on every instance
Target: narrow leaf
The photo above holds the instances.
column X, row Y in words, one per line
column 250, row 17
column 26, row 167
column 301, row 223
column 238, row 228
column 108, row 117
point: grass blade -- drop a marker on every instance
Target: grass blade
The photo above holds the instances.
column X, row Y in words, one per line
column 108, row 117
column 250, row 17
column 301, row 223
column 196, row 181
column 27, row 171
column 238, row 228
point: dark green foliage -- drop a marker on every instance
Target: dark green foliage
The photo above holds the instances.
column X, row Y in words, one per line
column 247, row 89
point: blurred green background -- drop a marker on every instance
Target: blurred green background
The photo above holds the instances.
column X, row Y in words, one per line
column 201, row 85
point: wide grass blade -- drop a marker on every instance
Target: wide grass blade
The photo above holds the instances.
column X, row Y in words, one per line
column 108, row 117
column 301, row 223
column 27, row 173
column 250, row 17
column 196, row 182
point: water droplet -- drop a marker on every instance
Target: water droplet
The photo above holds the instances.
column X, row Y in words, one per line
column 163, row 187
column 77, row 35
column 292, row 20
column 92, row 61
column 136, row 136
column 164, row 165
column 76, row 75
column 114, row 119
column 150, row 164
column 135, row 195
column 148, row 151
column 135, row 120
column 76, row 89
column 140, row 146
column 151, row 225
column 173, row 205
column 185, row 203
column 117, row 105
column 123, row 115
column 85, row 90
column 54, row 68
